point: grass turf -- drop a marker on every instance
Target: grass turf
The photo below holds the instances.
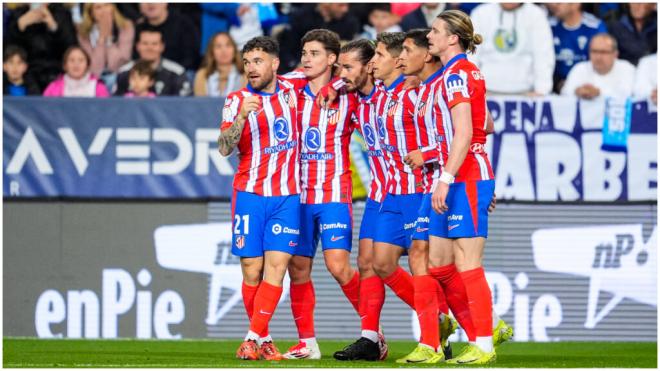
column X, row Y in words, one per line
column 22, row 352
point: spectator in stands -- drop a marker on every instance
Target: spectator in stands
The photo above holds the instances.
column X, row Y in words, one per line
column 15, row 81
column 217, row 17
column 381, row 19
column 141, row 79
column 331, row 16
column 170, row 76
column 603, row 75
column 222, row 70
column 636, row 32
column 45, row 31
column 77, row 80
column 572, row 29
column 107, row 37
column 517, row 56
column 423, row 16
column 180, row 36
column 646, row 79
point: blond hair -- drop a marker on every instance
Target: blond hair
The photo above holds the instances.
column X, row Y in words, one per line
column 459, row 23
column 88, row 21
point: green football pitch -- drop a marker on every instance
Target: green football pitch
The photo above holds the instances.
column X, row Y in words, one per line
column 34, row 353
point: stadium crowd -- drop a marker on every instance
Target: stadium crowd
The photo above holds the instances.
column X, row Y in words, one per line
column 183, row 49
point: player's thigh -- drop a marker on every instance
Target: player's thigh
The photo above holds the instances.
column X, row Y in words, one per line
column 248, row 222
column 440, row 251
column 336, row 225
column 282, row 226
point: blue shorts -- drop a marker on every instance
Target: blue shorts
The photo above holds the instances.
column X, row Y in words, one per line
column 468, row 211
column 422, row 224
column 369, row 218
column 332, row 223
column 261, row 223
column 396, row 219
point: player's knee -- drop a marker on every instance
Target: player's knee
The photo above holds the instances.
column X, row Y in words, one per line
column 384, row 268
column 252, row 277
column 364, row 263
column 339, row 270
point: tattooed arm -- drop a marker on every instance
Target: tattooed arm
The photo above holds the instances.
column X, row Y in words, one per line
column 230, row 136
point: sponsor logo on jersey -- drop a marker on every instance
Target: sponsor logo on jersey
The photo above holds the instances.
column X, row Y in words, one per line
column 281, row 129
column 280, row 147
column 409, row 225
column 454, row 217
column 456, row 84
column 336, row 238
column 325, row 227
column 277, row 229
column 452, row 227
column 317, row 156
column 477, row 148
column 376, row 153
column 369, row 135
column 381, row 127
column 313, row 139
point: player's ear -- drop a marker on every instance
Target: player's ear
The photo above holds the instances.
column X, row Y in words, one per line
column 428, row 58
column 332, row 58
column 275, row 64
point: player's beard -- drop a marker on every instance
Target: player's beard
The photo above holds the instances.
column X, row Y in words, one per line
column 265, row 80
column 360, row 81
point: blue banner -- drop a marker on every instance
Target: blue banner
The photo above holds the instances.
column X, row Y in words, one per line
column 545, row 149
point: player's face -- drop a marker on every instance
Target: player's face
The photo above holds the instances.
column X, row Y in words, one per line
column 412, row 57
column 353, row 72
column 260, row 68
column 439, row 38
column 384, row 63
column 316, row 60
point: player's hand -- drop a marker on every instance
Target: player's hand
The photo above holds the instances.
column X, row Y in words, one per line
column 326, row 96
column 439, row 198
column 493, row 201
column 250, row 104
column 48, row 18
column 414, row 159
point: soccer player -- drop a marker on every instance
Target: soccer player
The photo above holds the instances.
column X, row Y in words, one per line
column 326, row 210
column 261, row 121
column 465, row 187
column 354, row 61
column 398, row 210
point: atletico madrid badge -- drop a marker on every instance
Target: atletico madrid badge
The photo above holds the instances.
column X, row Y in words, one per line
column 240, row 242
column 333, row 116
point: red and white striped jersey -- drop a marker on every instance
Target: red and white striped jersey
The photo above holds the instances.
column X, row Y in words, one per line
column 325, row 167
column 268, row 148
column 396, row 130
column 463, row 82
column 366, row 114
column 430, row 109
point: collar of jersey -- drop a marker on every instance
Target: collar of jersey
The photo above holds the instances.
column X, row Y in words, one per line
column 434, row 75
column 396, row 83
column 308, row 91
column 368, row 97
column 453, row 60
column 251, row 90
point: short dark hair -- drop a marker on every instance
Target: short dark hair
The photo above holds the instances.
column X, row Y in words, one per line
column 385, row 7
column 143, row 68
column 70, row 50
column 329, row 39
column 266, row 44
column 418, row 36
column 12, row 50
column 150, row 29
column 393, row 41
column 365, row 49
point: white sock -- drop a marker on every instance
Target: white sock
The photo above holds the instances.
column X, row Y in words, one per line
column 251, row 335
column 496, row 319
column 371, row 335
column 485, row 343
column 265, row 339
column 310, row 342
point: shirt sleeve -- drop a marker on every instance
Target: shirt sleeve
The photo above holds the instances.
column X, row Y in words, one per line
column 459, row 87
column 230, row 111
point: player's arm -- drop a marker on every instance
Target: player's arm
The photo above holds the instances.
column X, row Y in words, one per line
column 230, row 133
column 461, row 116
column 490, row 124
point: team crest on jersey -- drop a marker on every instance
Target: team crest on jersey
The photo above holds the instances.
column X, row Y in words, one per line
column 455, row 83
column 420, row 109
column 392, row 106
column 333, row 116
column 240, row 242
column 281, row 129
column 290, row 99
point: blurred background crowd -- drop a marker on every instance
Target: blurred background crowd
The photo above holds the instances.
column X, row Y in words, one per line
column 192, row 49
